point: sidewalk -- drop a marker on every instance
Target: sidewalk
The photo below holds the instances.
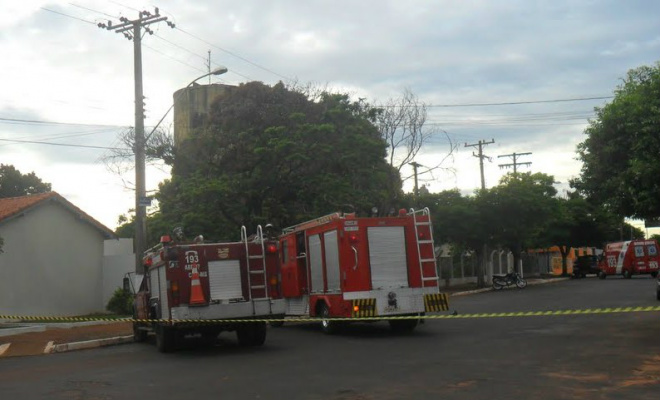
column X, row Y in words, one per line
column 37, row 339
column 36, row 343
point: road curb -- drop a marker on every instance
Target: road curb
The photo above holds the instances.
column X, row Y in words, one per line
column 90, row 344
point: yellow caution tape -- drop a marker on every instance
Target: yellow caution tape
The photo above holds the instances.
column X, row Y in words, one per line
column 393, row 317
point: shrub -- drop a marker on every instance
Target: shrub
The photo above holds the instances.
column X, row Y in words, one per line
column 121, row 302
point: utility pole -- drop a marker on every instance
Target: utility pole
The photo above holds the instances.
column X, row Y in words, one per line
column 481, row 157
column 208, row 66
column 415, row 166
column 515, row 162
column 132, row 30
column 482, row 266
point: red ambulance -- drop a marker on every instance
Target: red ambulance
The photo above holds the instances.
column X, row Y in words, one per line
column 628, row 258
column 343, row 266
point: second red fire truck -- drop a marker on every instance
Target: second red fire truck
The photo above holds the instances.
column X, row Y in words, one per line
column 349, row 267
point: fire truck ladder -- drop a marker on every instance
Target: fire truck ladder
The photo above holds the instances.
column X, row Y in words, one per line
column 255, row 289
column 425, row 244
column 312, row 223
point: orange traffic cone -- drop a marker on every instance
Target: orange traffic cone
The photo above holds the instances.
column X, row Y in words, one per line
column 196, row 294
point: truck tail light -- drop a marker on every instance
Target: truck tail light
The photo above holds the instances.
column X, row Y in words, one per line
column 174, row 289
column 271, row 248
column 353, row 237
column 274, row 287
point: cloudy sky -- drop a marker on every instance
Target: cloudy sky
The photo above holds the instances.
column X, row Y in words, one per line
column 65, row 81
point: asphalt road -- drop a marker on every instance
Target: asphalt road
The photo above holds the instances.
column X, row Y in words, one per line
column 607, row 356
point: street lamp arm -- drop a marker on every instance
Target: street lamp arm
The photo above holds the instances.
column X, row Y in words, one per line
column 218, row 71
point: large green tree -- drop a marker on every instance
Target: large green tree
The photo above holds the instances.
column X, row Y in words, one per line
column 580, row 223
column 14, row 184
column 458, row 220
column 271, row 155
column 518, row 210
column 621, row 154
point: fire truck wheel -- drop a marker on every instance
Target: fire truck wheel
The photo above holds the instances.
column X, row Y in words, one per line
column 251, row 334
column 329, row 327
column 403, row 325
column 165, row 338
column 139, row 335
column 209, row 337
column 602, row 275
column 627, row 274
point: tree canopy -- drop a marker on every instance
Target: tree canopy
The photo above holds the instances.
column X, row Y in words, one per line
column 519, row 209
column 271, row 155
column 15, row 184
column 621, row 154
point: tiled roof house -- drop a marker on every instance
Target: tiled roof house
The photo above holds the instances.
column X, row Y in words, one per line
column 52, row 259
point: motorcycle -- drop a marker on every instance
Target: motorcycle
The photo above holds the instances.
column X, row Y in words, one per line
column 512, row 278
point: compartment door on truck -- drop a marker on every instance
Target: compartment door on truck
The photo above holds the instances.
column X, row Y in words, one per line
column 324, row 262
column 225, row 279
column 158, row 287
column 387, row 255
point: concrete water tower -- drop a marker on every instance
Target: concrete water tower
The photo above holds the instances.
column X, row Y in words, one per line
column 191, row 106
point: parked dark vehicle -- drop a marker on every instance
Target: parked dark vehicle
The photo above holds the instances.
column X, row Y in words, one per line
column 585, row 265
column 512, row 278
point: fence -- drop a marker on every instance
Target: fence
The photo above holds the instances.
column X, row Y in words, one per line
column 462, row 270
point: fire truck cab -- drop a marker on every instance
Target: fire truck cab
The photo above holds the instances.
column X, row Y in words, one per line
column 343, row 266
column 191, row 287
column 632, row 257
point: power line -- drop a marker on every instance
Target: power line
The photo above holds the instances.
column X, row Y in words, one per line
column 62, row 144
column 198, row 55
column 96, row 11
column 509, row 103
column 123, row 5
column 234, row 55
column 172, row 58
column 67, row 15
column 32, row 121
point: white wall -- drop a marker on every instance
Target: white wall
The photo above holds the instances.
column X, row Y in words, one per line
column 118, row 259
column 52, row 264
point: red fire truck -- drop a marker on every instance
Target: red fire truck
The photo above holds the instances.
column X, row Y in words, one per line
column 187, row 284
column 340, row 265
column 632, row 257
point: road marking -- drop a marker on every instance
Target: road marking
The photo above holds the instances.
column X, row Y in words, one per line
column 4, row 348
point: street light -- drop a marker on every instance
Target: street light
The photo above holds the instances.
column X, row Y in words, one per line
column 140, row 179
column 218, row 71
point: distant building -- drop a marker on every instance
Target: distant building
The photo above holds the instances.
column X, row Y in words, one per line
column 53, row 261
column 555, row 260
column 192, row 105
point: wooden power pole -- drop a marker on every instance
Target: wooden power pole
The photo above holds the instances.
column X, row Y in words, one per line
column 132, row 30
